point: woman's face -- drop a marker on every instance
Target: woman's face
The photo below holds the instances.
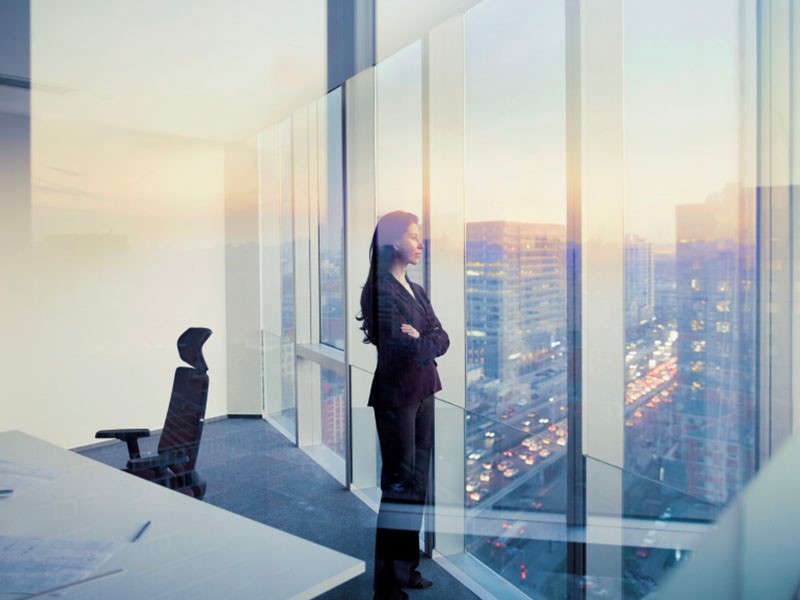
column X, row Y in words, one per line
column 409, row 247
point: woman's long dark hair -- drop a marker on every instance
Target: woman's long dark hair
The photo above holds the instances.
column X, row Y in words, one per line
column 390, row 228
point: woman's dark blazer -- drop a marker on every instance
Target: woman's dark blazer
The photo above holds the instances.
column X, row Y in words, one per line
column 406, row 371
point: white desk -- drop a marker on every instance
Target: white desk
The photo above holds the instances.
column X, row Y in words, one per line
column 191, row 550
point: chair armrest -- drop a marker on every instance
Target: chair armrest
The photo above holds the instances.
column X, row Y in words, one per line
column 159, row 461
column 123, row 434
column 129, row 436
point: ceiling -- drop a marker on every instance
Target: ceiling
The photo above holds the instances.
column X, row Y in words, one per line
column 206, row 69
column 398, row 23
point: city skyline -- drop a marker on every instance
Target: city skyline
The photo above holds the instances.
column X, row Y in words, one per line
column 689, row 369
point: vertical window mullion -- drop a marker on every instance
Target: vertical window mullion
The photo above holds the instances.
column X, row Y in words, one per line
column 602, row 274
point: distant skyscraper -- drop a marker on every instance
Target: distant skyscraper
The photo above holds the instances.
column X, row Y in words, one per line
column 333, row 418
column 716, row 285
column 331, row 301
column 664, row 301
column 639, row 281
column 515, row 295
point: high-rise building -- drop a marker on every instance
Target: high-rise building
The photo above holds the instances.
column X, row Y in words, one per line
column 639, row 281
column 334, row 433
column 515, row 301
column 716, row 321
column 331, row 301
column 664, row 302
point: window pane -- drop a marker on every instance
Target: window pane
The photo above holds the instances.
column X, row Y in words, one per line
column 360, row 223
column 322, row 413
column 366, row 455
column 516, row 291
column 331, row 219
column 691, row 280
column 284, row 413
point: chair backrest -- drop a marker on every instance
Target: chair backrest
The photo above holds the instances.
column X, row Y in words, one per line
column 183, row 425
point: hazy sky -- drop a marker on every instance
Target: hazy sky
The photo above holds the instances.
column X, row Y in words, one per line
column 683, row 106
column 681, row 97
column 515, row 111
column 683, row 109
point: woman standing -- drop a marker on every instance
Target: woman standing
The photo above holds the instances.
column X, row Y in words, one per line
column 399, row 320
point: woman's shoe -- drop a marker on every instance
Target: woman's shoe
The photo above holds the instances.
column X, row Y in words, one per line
column 418, row 582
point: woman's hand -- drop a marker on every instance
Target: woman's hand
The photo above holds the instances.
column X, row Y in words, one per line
column 409, row 330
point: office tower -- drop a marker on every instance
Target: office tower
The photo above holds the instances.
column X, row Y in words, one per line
column 639, row 281
column 515, row 296
column 331, row 300
column 664, row 299
column 716, row 294
column 334, row 433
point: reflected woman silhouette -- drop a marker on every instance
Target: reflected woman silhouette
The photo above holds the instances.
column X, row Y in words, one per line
column 399, row 320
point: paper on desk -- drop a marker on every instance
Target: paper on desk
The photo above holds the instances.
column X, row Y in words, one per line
column 21, row 478
column 29, row 565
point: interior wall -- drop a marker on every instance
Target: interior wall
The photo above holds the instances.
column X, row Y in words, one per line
column 127, row 245
column 242, row 288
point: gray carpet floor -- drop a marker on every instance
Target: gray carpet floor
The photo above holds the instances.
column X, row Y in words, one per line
column 254, row 471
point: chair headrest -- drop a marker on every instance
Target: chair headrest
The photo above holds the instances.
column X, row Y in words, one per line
column 190, row 347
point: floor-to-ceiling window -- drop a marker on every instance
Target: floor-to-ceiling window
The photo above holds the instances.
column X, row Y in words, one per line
column 670, row 274
column 277, row 241
column 302, row 266
column 331, row 221
column 515, row 299
column 690, row 254
column 691, row 273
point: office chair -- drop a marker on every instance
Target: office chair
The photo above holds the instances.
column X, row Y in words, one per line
column 174, row 464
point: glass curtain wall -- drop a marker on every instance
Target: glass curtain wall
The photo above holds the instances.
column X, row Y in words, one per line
column 468, row 129
column 360, row 175
column 277, row 275
column 383, row 173
column 302, row 251
column 690, row 255
column 333, row 392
